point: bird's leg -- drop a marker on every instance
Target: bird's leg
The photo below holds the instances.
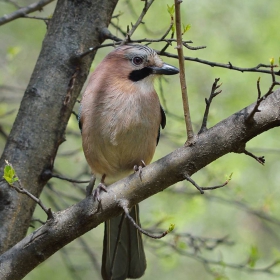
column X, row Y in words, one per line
column 101, row 187
column 139, row 168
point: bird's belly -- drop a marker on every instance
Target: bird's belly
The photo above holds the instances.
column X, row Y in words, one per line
column 123, row 148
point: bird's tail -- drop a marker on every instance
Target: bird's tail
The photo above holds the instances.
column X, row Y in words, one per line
column 123, row 253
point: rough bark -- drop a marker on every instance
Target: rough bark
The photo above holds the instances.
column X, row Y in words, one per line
column 230, row 135
column 47, row 104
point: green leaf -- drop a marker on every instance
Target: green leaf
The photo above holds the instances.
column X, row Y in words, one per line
column 254, row 256
column 9, row 174
column 12, row 52
column 186, row 28
column 171, row 9
column 171, row 227
column 230, row 176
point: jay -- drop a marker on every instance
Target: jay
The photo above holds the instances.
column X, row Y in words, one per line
column 120, row 119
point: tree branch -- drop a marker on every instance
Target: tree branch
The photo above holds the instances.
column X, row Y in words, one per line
column 87, row 214
column 46, row 107
column 22, row 12
column 221, row 65
column 179, row 47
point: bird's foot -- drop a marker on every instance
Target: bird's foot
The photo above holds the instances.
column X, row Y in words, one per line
column 96, row 193
column 139, row 168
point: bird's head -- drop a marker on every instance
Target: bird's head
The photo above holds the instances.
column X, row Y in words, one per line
column 137, row 63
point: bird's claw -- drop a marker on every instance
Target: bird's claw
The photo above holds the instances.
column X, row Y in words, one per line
column 96, row 192
column 139, row 168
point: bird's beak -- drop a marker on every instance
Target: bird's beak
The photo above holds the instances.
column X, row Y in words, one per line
column 166, row 69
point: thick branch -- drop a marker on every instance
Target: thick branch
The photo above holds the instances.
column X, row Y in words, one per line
column 230, row 135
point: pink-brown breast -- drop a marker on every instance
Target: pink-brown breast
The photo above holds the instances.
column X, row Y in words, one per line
column 120, row 122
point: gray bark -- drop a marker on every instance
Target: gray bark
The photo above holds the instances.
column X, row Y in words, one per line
column 43, row 115
column 230, row 135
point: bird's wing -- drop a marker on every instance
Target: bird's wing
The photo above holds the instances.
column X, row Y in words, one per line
column 162, row 123
column 163, row 117
column 79, row 118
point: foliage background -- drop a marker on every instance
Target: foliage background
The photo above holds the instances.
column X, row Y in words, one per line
column 244, row 33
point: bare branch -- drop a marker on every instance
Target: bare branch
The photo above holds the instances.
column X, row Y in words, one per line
column 260, row 160
column 227, row 66
column 21, row 189
column 187, row 115
column 22, row 12
column 202, row 189
column 208, row 102
column 139, row 20
column 157, row 176
column 126, row 211
column 260, row 99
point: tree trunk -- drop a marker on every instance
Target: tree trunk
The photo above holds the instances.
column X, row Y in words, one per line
column 47, row 104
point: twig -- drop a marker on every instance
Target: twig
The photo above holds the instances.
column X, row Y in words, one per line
column 139, row 20
column 260, row 160
column 22, row 12
column 69, row 179
column 106, row 34
column 38, row 18
column 208, row 102
column 228, row 66
column 134, row 13
column 256, row 109
column 126, row 211
column 21, row 189
column 118, row 28
column 190, row 134
column 202, row 189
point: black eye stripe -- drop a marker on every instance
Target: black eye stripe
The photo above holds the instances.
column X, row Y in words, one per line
column 137, row 75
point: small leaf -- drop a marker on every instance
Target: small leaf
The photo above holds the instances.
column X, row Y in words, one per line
column 254, row 256
column 9, row 174
column 171, row 227
column 12, row 52
column 186, row 28
column 171, row 9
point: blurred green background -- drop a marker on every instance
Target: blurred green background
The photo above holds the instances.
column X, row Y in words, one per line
column 246, row 211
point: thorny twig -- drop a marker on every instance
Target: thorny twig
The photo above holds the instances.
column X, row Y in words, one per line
column 208, row 102
column 256, row 109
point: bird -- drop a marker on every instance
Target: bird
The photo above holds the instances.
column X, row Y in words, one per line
column 120, row 118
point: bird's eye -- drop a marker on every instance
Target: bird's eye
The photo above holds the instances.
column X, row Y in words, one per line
column 137, row 60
